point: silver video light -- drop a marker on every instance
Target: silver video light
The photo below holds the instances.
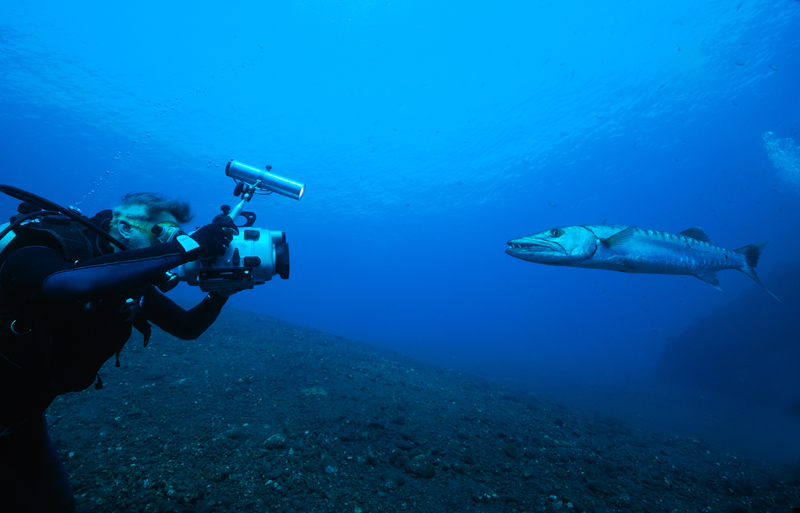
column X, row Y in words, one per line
column 263, row 179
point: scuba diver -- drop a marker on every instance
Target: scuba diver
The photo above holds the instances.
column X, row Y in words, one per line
column 71, row 291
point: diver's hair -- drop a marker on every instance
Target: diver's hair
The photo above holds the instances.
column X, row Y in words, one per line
column 153, row 204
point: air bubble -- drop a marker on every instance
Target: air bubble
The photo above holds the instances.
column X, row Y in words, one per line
column 785, row 156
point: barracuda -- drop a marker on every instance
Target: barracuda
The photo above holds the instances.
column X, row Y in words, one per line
column 631, row 249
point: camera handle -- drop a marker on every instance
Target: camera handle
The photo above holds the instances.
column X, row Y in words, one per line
column 250, row 217
column 246, row 192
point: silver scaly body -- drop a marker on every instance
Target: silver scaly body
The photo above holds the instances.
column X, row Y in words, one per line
column 636, row 250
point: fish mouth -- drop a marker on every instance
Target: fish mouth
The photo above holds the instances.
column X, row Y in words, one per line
column 519, row 245
column 532, row 245
column 542, row 251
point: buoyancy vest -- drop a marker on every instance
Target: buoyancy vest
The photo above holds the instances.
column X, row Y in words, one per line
column 47, row 348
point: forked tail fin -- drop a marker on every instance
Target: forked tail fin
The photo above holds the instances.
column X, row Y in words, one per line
column 751, row 254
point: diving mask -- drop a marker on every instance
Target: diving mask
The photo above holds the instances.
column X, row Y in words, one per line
column 164, row 231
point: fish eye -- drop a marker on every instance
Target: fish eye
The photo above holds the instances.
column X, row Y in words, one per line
column 556, row 232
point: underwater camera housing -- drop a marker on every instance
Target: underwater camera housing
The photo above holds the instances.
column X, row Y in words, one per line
column 254, row 255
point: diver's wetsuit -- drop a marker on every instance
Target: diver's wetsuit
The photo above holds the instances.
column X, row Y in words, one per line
column 60, row 323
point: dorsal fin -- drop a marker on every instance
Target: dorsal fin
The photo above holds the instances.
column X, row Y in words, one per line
column 620, row 237
column 696, row 233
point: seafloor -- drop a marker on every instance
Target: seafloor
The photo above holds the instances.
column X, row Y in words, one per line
column 260, row 415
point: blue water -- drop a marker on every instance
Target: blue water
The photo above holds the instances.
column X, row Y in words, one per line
column 429, row 134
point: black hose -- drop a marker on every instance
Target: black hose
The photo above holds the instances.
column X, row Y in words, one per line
column 49, row 205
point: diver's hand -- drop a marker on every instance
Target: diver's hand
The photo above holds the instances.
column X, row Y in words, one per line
column 214, row 238
column 226, row 222
column 226, row 293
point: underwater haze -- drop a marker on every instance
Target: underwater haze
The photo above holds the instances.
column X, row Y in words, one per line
column 429, row 133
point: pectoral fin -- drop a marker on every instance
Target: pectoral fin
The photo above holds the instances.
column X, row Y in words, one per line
column 620, row 237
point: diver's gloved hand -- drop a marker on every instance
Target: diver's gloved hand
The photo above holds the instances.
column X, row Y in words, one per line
column 227, row 223
column 225, row 294
column 214, row 238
